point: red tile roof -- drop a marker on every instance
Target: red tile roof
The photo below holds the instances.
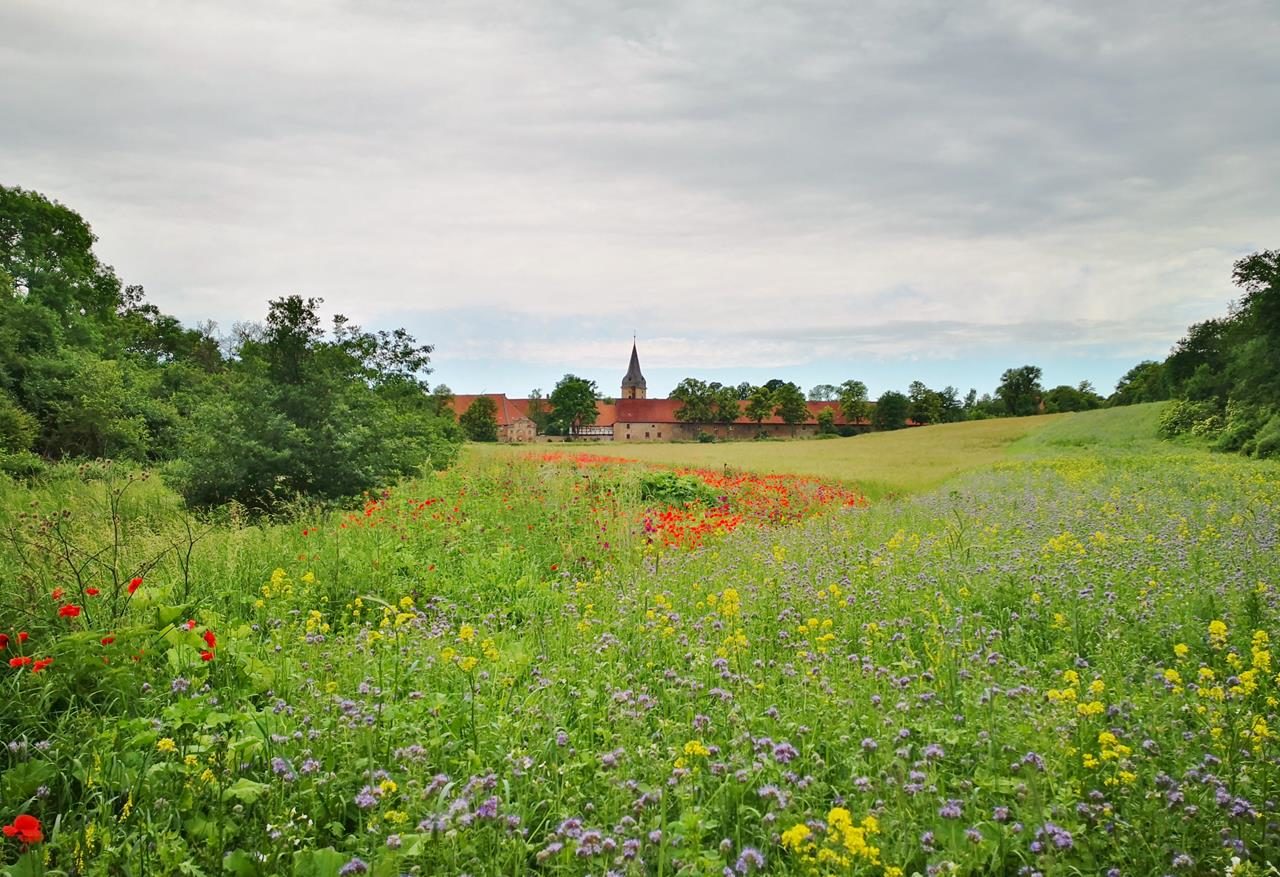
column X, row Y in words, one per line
column 508, row 410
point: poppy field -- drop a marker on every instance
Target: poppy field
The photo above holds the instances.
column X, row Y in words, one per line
column 569, row 664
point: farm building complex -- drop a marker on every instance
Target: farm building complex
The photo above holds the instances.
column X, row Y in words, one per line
column 635, row 417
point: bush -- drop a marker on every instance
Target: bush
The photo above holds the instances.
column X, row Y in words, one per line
column 1209, row 427
column 1179, row 417
column 1241, row 424
column 705, row 437
column 18, row 429
column 677, row 490
column 1267, row 442
column 22, row 464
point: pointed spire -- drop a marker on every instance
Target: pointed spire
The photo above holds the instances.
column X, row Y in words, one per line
column 634, row 378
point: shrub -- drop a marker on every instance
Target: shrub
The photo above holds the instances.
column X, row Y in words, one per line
column 17, row 428
column 1209, row 427
column 676, row 490
column 22, row 464
column 1242, row 423
column 1180, row 416
column 705, row 437
column 1267, row 441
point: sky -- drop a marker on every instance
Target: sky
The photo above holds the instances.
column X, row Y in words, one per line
column 812, row 190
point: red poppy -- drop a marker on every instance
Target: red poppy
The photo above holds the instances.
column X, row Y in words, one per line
column 92, row 592
column 4, row 641
column 206, row 656
column 57, row 593
column 25, row 828
column 108, row 640
column 23, row 636
column 41, row 664
column 135, row 583
column 69, row 611
column 20, row 661
column 210, row 640
column 191, row 624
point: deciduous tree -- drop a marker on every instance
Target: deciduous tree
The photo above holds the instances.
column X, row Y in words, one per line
column 1020, row 390
column 696, row 402
column 573, row 404
column 480, row 421
column 853, row 401
column 788, row 404
column 759, row 404
column 890, row 411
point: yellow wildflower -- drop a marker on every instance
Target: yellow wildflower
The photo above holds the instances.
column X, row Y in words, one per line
column 166, row 744
column 794, row 837
column 1217, row 634
column 695, row 747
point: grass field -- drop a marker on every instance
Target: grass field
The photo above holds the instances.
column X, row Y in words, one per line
column 1058, row 662
column 880, row 464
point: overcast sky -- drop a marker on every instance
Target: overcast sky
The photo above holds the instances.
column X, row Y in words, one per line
column 812, row 190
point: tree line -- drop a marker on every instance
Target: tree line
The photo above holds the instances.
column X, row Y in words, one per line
column 1224, row 374
column 276, row 410
column 572, row 404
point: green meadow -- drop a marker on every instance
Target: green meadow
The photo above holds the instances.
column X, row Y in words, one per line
column 880, row 463
column 1026, row 646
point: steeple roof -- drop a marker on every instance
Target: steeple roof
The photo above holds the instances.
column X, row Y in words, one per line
column 633, row 377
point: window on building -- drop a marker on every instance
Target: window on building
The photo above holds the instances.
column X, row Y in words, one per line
column 646, row 435
column 659, row 434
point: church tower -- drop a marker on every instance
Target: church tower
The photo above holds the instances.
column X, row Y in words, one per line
column 633, row 384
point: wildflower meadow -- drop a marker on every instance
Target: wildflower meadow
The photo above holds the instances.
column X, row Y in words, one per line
column 564, row 664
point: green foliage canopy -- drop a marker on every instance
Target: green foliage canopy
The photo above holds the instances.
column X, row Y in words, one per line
column 480, row 421
column 573, row 404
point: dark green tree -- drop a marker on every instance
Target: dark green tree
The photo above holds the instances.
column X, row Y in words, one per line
column 759, row 404
column 442, row 400
column 1068, row 398
column 573, row 404
column 853, row 401
column 890, row 411
column 826, row 422
column 1020, row 390
column 539, row 412
column 789, row 404
column 307, row 414
column 924, row 405
column 823, row 392
column 1197, row 368
column 725, row 405
column 1145, row 382
column 480, row 421
column 696, row 401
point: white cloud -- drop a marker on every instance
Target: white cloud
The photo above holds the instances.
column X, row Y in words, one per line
column 701, row 173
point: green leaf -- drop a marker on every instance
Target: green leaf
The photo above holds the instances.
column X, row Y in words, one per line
column 28, row 865
column 318, row 863
column 245, row 791
column 166, row 615
column 22, row 781
column 241, row 864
